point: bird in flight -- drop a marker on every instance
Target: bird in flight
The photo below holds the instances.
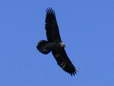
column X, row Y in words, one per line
column 54, row 44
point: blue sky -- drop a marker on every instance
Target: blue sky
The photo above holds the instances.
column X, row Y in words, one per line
column 86, row 27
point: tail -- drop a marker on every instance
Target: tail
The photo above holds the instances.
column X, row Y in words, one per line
column 42, row 46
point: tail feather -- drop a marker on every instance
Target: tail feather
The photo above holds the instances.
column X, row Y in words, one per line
column 42, row 46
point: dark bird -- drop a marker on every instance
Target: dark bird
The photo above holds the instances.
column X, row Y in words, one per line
column 54, row 43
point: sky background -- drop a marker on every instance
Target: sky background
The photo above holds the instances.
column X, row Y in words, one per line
column 86, row 27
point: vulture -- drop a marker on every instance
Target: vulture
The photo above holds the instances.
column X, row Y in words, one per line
column 54, row 44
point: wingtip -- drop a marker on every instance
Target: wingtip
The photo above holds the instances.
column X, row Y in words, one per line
column 73, row 73
column 50, row 15
column 71, row 70
column 50, row 10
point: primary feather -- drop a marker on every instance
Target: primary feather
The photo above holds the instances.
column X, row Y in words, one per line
column 51, row 26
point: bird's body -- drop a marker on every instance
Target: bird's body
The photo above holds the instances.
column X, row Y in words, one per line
column 46, row 46
column 54, row 43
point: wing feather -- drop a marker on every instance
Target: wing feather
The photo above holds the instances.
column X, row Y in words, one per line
column 51, row 26
column 59, row 53
column 63, row 61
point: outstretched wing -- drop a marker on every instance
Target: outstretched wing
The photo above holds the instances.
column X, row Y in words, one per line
column 51, row 26
column 52, row 32
column 63, row 61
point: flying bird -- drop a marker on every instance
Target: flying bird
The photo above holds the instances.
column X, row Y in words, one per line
column 54, row 44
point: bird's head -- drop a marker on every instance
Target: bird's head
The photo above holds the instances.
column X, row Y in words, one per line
column 62, row 44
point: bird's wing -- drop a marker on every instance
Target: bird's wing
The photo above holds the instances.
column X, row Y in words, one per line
column 51, row 26
column 63, row 61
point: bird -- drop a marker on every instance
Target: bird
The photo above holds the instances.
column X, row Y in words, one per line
column 54, row 43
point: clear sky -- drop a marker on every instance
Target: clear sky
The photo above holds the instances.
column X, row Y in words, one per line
column 86, row 27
